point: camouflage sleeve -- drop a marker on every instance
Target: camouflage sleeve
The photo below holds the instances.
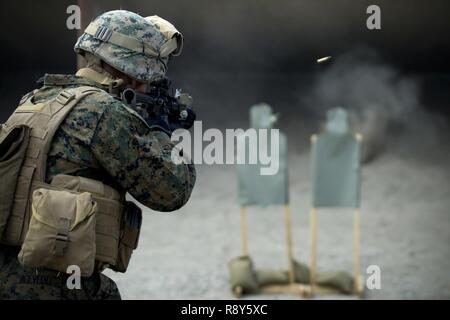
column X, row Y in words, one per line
column 140, row 160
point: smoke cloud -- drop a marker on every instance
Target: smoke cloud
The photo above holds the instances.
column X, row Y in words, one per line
column 380, row 99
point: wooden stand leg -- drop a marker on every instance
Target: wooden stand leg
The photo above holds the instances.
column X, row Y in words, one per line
column 287, row 219
column 313, row 261
column 357, row 251
column 244, row 231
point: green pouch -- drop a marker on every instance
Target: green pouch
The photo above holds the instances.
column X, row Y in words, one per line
column 13, row 146
column 61, row 232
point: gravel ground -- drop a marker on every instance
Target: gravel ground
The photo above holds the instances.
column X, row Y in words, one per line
column 405, row 231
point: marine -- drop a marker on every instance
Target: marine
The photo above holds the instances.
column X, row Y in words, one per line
column 106, row 145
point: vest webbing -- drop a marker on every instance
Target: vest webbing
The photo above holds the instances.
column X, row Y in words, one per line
column 44, row 119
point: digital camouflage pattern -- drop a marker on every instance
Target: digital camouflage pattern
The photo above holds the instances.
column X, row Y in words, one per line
column 22, row 283
column 139, row 66
column 100, row 139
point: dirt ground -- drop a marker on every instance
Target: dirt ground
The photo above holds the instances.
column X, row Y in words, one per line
column 405, row 230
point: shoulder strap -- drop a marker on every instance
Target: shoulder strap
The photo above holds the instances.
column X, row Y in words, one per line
column 44, row 119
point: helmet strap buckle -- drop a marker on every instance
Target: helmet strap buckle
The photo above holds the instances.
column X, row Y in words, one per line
column 103, row 34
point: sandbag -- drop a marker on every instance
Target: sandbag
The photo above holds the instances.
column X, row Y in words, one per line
column 340, row 280
column 301, row 273
column 243, row 275
column 269, row 277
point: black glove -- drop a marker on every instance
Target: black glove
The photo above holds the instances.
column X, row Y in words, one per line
column 184, row 119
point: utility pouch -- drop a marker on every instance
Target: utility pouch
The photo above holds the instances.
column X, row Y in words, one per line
column 108, row 218
column 13, row 146
column 61, row 231
column 128, row 241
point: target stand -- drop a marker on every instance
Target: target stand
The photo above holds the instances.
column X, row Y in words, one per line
column 336, row 184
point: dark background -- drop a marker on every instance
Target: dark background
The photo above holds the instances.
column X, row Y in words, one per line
column 238, row 53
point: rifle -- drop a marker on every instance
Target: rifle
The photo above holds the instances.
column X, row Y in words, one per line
column 159, row 108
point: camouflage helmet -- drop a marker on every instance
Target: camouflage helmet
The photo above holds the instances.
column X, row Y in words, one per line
column 169, row 31
column 129, row 43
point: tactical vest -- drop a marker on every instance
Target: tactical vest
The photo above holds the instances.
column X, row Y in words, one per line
column 69, row 219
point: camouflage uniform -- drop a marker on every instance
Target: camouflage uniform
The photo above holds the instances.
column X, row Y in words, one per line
column 22, row 283
column 101, row 139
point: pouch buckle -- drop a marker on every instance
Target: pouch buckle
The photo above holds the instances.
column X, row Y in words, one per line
column 62, row 237
column 64, row 97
